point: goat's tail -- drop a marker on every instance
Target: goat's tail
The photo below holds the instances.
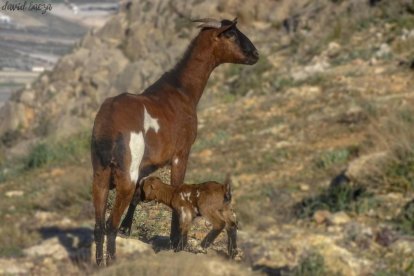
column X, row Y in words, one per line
column 227, row 188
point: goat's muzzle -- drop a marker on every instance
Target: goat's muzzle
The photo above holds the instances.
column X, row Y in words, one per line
column 252, row 57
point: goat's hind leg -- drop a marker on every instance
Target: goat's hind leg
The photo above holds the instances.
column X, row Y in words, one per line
column 231, row 229
column 124, row 193
column 218, row 226
column 100, row 188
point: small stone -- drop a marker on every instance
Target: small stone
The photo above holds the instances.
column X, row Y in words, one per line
column 385, row 237
column 403, row 246
column 383, row 51
column 334, row 229
column 321, row 216
column 304, row 187
column 57, row 172
column 205, row 153
column 43, row 216
column 15, row 193
column 333, row 49
column 339, row 218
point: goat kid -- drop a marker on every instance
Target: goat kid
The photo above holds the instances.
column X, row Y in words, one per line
column 133, row 135
column 210, row 199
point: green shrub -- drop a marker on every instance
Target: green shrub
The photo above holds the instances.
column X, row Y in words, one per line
column 343, row 197
column 47, row 152
column 40, row 155
column 400, row 174
column 333, row 157
column 405, row 221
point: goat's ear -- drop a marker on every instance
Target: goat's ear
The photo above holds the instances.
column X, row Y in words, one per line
column 226, row 27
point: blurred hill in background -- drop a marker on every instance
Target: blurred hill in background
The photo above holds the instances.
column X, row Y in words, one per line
column 318, row 137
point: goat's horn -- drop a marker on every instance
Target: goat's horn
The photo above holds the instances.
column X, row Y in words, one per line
column 205, row 20
column 208, row 23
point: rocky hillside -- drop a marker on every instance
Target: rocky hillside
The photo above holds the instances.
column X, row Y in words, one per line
column 318, row 137
column 128, row 54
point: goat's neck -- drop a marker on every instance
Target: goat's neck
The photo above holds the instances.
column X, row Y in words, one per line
column 165, row 194
column 194, row 70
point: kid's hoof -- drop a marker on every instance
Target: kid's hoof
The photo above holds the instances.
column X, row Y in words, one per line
column 124, row 231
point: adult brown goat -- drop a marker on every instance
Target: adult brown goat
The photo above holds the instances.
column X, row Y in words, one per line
column 133, row 135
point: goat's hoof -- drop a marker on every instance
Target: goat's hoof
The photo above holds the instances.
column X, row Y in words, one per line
column 174, row 244
column 237, row 255
column 100, row 262
column 110, row 260
column 124, row 231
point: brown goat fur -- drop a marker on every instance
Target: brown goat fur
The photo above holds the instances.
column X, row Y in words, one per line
column 133, row 135
column 211, row 200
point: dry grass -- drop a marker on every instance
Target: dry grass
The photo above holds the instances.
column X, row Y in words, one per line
column 394, row 135
column 183, row 263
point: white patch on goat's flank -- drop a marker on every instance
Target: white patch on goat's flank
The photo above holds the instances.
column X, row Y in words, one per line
column 150, row 122
column 198, row 193
column 181, row 196
column 137, row 147
column 176, row 161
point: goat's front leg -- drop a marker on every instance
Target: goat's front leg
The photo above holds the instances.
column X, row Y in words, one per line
column 178, row 168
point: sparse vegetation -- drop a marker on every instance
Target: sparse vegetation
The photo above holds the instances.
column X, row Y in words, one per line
column 405, row 221
column 13, row 239
column 214, row 138
column 311, row 264
column 67, row 150
column 341, row 197
column 246, row 79
column 401, row 264
column 332, row 157
column 394, row 136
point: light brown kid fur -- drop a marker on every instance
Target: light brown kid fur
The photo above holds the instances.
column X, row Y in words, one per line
column 210, row 199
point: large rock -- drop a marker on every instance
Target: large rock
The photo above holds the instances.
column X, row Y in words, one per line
column 285, row 245
column 361, row 167
column 49, row 248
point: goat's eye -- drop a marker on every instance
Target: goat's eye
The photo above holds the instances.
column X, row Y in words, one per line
column 231, row 34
